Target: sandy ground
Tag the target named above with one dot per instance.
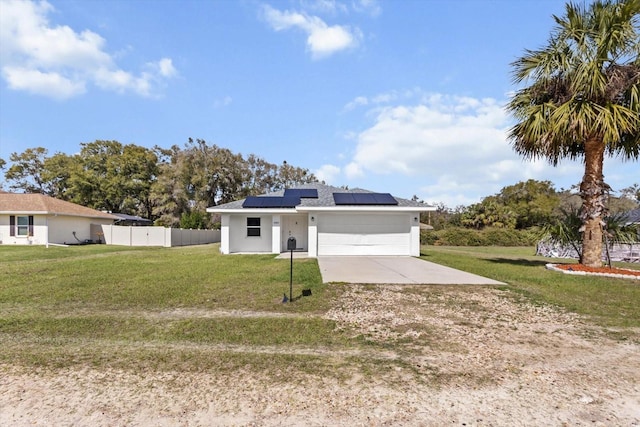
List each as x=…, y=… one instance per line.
x=465, y=357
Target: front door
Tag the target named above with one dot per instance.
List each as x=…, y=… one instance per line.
x=294, y=226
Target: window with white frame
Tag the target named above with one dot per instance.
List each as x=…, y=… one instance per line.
x=253, y=227
x=22, y=226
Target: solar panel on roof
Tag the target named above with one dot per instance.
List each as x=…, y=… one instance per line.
x=343, y=199
x=290, y=201
x=252, y=202
x=271, y=202
x=306, y=193
x=364, y=199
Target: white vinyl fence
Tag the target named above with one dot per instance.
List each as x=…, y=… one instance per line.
x=155, y=236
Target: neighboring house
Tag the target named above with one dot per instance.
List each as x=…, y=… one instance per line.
x=324, y=220
x=39, y=219
x=124, y=219
x=632, y=217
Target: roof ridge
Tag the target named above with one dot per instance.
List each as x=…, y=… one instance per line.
x=45, y=204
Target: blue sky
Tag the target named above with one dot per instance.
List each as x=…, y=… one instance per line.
x=394, y=96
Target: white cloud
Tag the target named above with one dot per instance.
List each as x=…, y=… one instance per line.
x=371, y=7
x=58, y=62
x=353, y=170
x=327, y=173
x=38, y=83
x=166, y=68
x=405, y=138
x=325, y=6
x=358, y=101
x=452, y=149
x=322, y=40
x=382, y=98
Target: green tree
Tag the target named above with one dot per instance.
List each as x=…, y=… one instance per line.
x=3, y=163
x=289, y=176
x=532, y=202
x=201, y=175
x=583, y=101
x=489, y=213
x=194, y=178
x=140, y=168
x=193, y=220
x=212, y=174
x=261, y=178
x=33, y=171
x=57, y=171
x=26, y=171
x=168, y=193
x=113, y=177
x=564, y=230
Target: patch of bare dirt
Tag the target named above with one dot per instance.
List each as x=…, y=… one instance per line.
x=466, y=356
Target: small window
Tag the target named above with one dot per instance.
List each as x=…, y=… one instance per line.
x=253, y=227
x=22, y=226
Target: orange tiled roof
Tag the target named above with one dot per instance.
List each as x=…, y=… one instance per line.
x=40, y=204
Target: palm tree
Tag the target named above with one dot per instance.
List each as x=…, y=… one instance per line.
x=583, y=101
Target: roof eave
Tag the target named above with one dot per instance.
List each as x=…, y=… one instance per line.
x=252, y=210
x=106, y=216
x=371, y=208
x=324, y=209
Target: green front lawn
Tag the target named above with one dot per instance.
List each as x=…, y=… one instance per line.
x=191, y=308
x=128, y=306
x=117, y=278
x=609, y=301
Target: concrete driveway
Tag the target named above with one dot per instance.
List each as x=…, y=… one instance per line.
x=394, y=270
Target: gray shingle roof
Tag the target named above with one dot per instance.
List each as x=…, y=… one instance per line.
x=325, y=197
x=632, y=217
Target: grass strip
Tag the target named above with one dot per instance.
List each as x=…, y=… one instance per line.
x=610, y=302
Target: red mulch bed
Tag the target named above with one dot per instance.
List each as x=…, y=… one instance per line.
x=601, y=270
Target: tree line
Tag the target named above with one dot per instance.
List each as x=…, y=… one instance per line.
x=173, y=187
x=526, y=205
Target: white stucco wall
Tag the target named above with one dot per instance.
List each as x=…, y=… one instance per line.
x=224, y=233
x=39, y=231
x=275, y=233
x=60, y=229
x=240, y=242
x=312, y=239
x=352, y=233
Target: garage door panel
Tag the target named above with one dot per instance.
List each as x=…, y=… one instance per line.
x=360, y=250
x=364, y=235
x=366, y=228
x=364, y=239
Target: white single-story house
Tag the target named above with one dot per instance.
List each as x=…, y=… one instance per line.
x=41, y=220
x=323, y=220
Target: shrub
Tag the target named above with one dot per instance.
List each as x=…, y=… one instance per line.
x=457, y=236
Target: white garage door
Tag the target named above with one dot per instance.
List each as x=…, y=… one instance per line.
x=358, y=234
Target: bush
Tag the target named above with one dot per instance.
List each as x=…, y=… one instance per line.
x=457, y=236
